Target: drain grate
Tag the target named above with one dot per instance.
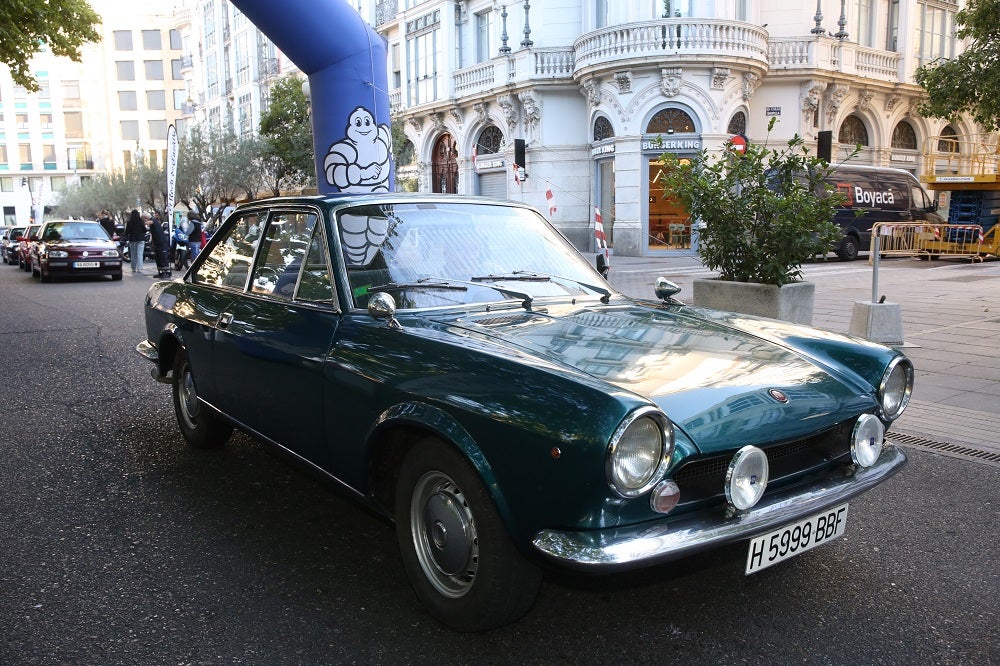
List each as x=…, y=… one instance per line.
x=953, y=450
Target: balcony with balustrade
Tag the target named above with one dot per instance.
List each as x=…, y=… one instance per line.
x=797, y=56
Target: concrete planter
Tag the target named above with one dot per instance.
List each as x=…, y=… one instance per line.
x=791, y=302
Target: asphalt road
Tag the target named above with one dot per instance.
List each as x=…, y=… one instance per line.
x=120, y=545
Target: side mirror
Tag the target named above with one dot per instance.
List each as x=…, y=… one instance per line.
x=382, y=306
x=666, y=290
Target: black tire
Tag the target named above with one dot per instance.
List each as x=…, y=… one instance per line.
x=457, y=554
x=43, y=275
x=116, y=276
x=201, y=428
x=848, y=250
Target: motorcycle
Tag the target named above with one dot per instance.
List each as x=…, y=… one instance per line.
x=148, y=251
x=181, y=253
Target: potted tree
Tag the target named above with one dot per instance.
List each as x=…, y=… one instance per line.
x=761, y=214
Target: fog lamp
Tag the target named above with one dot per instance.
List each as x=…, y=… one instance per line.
x=664, y=497
x=746, y=477
x=866, y=444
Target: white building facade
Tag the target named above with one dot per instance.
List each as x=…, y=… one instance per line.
x=597, y=90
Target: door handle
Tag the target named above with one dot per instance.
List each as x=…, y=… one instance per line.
x=225, y=319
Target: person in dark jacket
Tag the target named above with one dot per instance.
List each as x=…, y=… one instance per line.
x=160, y=244
x=135, y=234
x=107, y=223
x=195, y=237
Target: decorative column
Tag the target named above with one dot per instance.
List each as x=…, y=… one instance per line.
x=504, y=49
x=818, y=29
x=526, y=42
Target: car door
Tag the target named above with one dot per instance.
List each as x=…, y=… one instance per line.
x=272, y=341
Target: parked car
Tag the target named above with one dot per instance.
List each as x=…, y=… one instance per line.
x=74, y=248
x=877, y=194
x=456, y=365
x=24, y=246
x=8, y=244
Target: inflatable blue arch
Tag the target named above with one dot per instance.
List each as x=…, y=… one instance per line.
x=345, y=60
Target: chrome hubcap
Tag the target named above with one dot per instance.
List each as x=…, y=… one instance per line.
x=444, y=534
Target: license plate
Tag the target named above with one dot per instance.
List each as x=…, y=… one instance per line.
x=796, y=538
x=86, y=264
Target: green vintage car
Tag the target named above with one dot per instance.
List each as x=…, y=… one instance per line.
x=469, y=375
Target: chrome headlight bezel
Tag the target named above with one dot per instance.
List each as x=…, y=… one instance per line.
x=895, y=388
x=657, y=454
x=867, y=440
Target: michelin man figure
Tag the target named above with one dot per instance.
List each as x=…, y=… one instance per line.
x=360, y=161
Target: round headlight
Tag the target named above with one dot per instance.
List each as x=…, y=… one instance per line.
x=746, y=477
x=639, y=453
x=866, y=444
x=897, y=385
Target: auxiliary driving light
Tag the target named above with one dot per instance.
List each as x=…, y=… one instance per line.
x=866, y=444
x=746, y=477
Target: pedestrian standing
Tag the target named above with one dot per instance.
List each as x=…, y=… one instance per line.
x=195, y=236
x=158, y=236
x=135, y=234
x=107, y=223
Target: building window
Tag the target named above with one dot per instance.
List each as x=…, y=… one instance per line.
x=175, y=70
x=948, y=143
x=73, y=124
x=892, y=27
x=151, y=40
x=49, y=157
x=423, y=60
x=603, y=129
x=123, y=40
x=738, y=124
x=935, y=30
x=58, y=183
x=45, y=120
x=490, y=141
x=484, y=36
x=668, y=121
x=156, y=100
x=243, y=117
x=3, y=155
x=22, y=120
x=44, y=91
x=212, y=77
x=127, y=100
x=180, y=97
x=397, y=78
x=853, y=132
x=71, y=93
x=126, y=70
x=154, y=70
x=24, y=151
x=863, y=22
x=158, y=130
x=176, y=43
x=208, y=25
x=601, y=14
x=7, y=182
x=130, y=130
x=903, y=136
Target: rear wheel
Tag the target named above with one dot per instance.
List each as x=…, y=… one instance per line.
x=459, y=558
x=201, y=428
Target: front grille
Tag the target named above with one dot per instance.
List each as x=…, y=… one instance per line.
x=704, y=478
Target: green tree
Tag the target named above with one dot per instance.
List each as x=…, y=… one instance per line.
x=65, y=25
x=969, y=83
x=286, y=131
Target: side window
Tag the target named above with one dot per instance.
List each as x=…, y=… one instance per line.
x=282, y=251
x=228, y=265
x=919, y=197
x=895, y=193
x=315, y=284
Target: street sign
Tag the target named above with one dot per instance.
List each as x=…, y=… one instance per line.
x=739, y=143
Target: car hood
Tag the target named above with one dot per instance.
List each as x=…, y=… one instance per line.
x=80, y=244
x=719, y=377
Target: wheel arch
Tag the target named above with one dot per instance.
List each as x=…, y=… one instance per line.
x=399, y=428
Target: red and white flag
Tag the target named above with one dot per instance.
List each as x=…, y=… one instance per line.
x=551, y=201
x=602, y=240
x=980, y=231
x=475, y=154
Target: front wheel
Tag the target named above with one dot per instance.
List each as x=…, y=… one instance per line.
x=456, y=551
x=848, y=250
x=201, y=428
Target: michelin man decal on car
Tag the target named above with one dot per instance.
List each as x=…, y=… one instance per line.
x=360, y=161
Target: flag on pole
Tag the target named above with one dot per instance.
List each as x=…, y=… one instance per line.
x=171, y=170
x=475, y=154
x=551, y=200
x=602, y=240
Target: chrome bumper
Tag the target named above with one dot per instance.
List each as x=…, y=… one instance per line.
x=651, y=543
x=149, y=352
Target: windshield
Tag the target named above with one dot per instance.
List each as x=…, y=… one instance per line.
x=77, y=231
x=454, y=253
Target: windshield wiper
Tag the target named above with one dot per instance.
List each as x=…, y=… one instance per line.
x=461, y=285
x=531, y=276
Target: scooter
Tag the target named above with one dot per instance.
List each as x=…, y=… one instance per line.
x=181, y=251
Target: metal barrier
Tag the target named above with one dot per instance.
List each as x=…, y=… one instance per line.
x=930, y=241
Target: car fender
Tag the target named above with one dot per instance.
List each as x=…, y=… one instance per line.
x=444, y=425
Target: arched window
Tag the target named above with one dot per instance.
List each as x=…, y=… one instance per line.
x=853, y=131
x=948, y=143
x=903, y=136
x=668, y=121
x=738, y=123
x=603, y=129
x=490, y=140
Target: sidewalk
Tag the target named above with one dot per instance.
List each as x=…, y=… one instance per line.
x=951, y=331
